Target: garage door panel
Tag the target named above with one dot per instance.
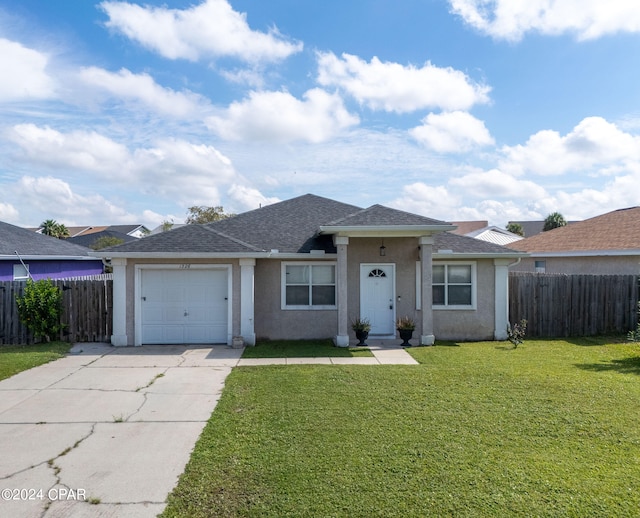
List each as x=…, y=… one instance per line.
x=184, y=306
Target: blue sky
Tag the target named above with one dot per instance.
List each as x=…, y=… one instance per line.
x=121, y=112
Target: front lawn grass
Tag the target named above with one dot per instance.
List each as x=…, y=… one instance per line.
x=302, y=349
x=17, y=358
x=551, y=428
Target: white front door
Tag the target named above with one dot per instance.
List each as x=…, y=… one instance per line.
x=377, y=297
x=184, y=306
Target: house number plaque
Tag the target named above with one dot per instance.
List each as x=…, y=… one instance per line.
x=184, y=266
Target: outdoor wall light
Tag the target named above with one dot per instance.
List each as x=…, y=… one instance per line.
x=383, y=249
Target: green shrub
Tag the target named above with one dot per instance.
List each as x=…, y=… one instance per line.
x=515, y=333
x=40, y=308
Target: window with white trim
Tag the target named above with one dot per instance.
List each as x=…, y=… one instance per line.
x=453, y=285
x=309, y=285
x=20, y=272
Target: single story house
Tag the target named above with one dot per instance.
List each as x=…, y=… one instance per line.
x=605, y=244
x=26, y=254
x=305, y=268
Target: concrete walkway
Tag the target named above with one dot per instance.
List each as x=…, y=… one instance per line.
x=382, y=355
x=107, y=431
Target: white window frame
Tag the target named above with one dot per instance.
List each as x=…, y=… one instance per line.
x=540, y=266
x=20, y=272
x=474, y=285
x=283, y=285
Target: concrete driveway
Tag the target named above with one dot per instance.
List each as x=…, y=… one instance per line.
x=105, y=431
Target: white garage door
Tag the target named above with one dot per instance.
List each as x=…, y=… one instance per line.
x=184, y=306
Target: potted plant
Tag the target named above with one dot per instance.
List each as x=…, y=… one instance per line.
x=405, y=327
x=361, y=326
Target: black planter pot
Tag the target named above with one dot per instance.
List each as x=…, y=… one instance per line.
x=405, y=335
x=362, y=336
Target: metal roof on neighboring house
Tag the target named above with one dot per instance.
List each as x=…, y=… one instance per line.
x=496, y=235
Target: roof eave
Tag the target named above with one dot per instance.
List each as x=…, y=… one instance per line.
x=587, y=253
x=6, y=257
x=179, y=255
x=384, y=230
x=481, y=255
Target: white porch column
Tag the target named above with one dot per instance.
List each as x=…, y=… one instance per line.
x=119, y=336
x=501, y=298
x=247, y=274
x=426, y=250
x=342, y=338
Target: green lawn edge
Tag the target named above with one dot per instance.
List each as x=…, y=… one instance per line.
x=18, y=358
x=551, y=428
x=303, y=349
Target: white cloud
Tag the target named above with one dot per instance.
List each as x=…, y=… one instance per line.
x=208, y=30
x=142, y=88
x=280, y=117
x=173, y=168
x=511, y=20
x=191, y=174
x=495, y=183
x=452, y=132
x=8, y=212
x=80, y=150
x=249, y=198
x=24, y=73
x=433, y=201
x=244, y=76
x=65, y=206
x=593, y=144
x=396, y=88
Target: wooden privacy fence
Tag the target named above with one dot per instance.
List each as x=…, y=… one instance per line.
x=573, y=305
x=87, y=311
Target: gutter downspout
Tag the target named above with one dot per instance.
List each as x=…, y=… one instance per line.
x=23, y=265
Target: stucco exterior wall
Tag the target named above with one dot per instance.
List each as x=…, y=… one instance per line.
x=274, y=323
x=131, y=282
x=403, y=252
x=603, y=265
x=478, y=324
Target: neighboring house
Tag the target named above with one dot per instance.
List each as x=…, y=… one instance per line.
x=533, y=228
x=88, y=240
x=606, y=244
x=305, y=268
x=136, y=231
x=483, y=231
x=25, y=254
x=465, y=227
x=496, y=235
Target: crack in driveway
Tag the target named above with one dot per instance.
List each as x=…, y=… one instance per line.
x=118, y=429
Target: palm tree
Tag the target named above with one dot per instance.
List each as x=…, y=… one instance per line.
x=554, y=220
x=515, y=228
x=51, y=227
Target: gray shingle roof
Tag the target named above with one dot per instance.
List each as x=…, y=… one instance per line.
x=89, y=239
x=29, y=243
x=467, y=245
x=186, y=239
x=381, y=215
x=291, y=226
